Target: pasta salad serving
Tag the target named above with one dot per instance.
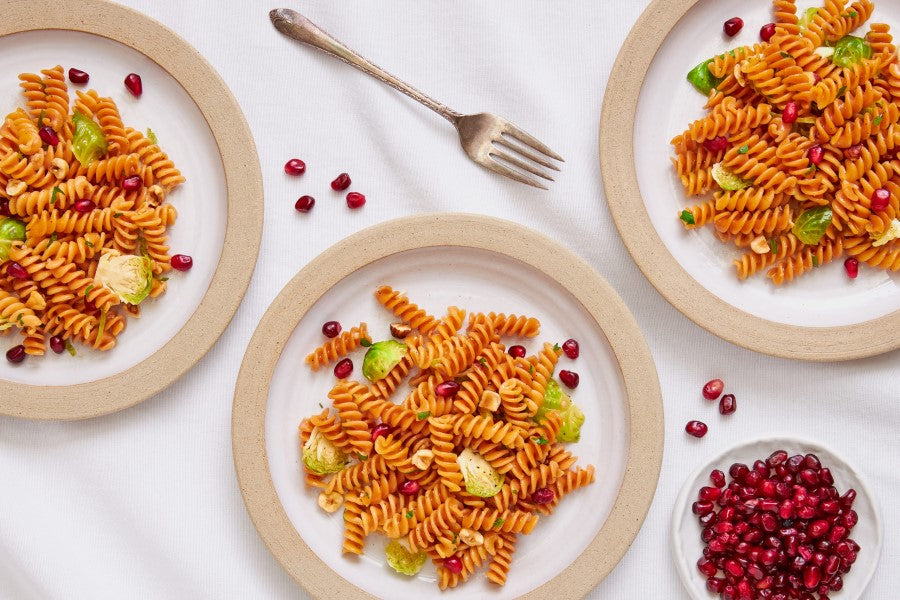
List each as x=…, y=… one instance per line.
x=467, y=460
x=799, y=147
x=85, y=214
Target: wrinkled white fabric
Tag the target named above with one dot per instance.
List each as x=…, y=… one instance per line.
x=144, y=503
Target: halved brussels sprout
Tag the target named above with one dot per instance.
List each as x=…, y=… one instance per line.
x=11, y=231
x=403, y=560
x=321, y=456
x=889, y=234
x=88, y=142
x=850, y=50
x=727, y=180
x=702, y=79
x=481, y=478
x=810, y=226
x=381, y=357
x=128, y=276
x=558, y=401
x=572, y=420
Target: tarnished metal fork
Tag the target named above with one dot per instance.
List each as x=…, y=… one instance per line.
x=489, y=140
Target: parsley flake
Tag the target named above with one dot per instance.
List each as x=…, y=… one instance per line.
x=88, y=244
x=773, y=244
x=423, y=415
x=163, y=278
x=878, y=120
x=116, y=215
x=688, y=217
x=556, y=347
x=786, y=55
x=362, y=457
x=483, y=361
x=54, y=194
x=70, y=348
x=88, y=290
x=540, y=441
x=852, y=14
x=19, y=319
x=841, y=90
x=41, y=118
x=815, y=261
x=320, y=405
x=409, y=515
x=365, y=343
x=744, y=149
x=53, y=238
x=497, y=523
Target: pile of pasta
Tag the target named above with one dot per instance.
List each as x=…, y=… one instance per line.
x=42, y=183
x=852, y=113
x=429, y=432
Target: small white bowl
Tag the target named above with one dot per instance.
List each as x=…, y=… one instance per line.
x=687, y=547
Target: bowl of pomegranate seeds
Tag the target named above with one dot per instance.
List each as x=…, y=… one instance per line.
x=775, y=519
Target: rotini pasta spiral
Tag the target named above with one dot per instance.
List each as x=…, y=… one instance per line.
x=338, y=347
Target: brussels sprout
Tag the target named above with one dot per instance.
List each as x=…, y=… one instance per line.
x=807, y=17
x=572, y=420
x=702, y=79
x=11, y=230
x=554, y=399
x=88, y=142
x=890, y=234
x=850, y=50
x=321, y=456
x=481, y=478
x=381, y=357
x=403, y=560
x=128, y=276
x=811, y=225
x=727, y=180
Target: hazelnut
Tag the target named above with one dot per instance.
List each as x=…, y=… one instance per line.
x=330, y=502
x=59, y=168
x=14, y=187
x=400, y=330
x=490, y=400
x=760, y=245
x=470, y=538
x=36, y=302
x=422, y=459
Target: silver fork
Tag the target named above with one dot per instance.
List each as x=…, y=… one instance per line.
x=481, y=135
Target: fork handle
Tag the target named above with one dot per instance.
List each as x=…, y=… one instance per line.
x=294, y=25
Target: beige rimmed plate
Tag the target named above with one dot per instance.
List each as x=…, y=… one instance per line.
x=199, y=124
x=478, y=263
x=821, y=316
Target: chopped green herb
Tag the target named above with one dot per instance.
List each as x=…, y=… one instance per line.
x=556, y=347
x=815, y=261
x=53, y=238
x=786, y=55
x=773, y=244
x=88, y=244
x=454, y=537
x=540, y=441
x=70, y=348
x=320, y=405
x=688, y=217
x=152, y=136
x=409, y=515
x=19, y=319
x=365, y=343
x=362, y=457
x=744, y=149
x=56, y=192
x=483, y=361
x=423, y=415
x=497, y=523
x=88, y=290
x=515, y=492
x=41, y=118
x=878, y=120
x=841, y=90
x=811, y=169
x=531, y=369
x=852, y=14
x=116, y=215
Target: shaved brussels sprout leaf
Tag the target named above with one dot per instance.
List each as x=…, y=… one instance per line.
x=572, y=420
x=807, y=17
x=890, y=234
x=11, y=230
x=727, y=180
x=558, y=401
x=381, y=357
x=403, y=560
x=481, y=478
x=850, y=50
x=702, y=79
x=554, y=399
x=152, y=137
x=321, y=456
x=128, y=276
x=88, y=142
x=811, y=225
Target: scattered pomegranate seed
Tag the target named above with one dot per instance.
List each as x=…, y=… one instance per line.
x=130, y=184
x=78, y=76
x=382, y=429
x=84, y=206
x=880, y=199
x=717, y=144
x=851, y=265
x=57, y=344
x=543, y=496
x=4, y=207
x=295, y=167
x=341, y=182
x=134, y=84
x=517, y=351
x=713, y=388
x=453, y=564
x=181, y=262
x=16, y=354
x=569, y=378
x=304, y=204
x=331, y=329
x=343, y=369
x=853, y=152
x=816, y=154
x=696, y=428
x=48, y=136
x=571, y=349
x=355, y=199
x=728, y=404
x=17, y=271
x=718, y=478
x=767, y=31
x=446, y=389
x=733, y=26
x=408, y=488
x=790, y=113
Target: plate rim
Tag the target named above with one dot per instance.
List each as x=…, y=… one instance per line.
x=684, y=498
x=635, y=362
x=244, y=223
x=653, y=258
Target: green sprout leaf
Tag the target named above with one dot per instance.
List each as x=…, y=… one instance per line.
x=423, y=415
x=362, y=457
x=409, y=514
x=365, y=343
x=70, y=348
x=88, y=143
x=811, y=225
x=878, y=120
x=56, y=192
x=773, y=244
x=688, y=217
x=88, y=290
x=702, y=79
x=152, y=137
x=744, y=149
x=497, y=523
x=540, y=441
x=815, y=261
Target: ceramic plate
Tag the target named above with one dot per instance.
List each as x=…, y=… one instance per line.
x=822, y=315
x=687, y=546
x=200, y=126
x=467, y=261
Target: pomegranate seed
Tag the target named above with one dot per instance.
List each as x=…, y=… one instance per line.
x=718, y=478
x=446, y=389
x=355, y=199
x=816, y=154
x=343, y=369
x=16, y=354
x=517, y=351
x=696, y=428
x=331, y=329
x=295, y=167
x=545, y=496
x=78, y=76
x=570, y=348
x=717, y=144
x=713, y=388
x=84, y=206
x=707, y=567
x=738, y=471
x=811, y=577
x=304, y=204
x=17, y=271
x=453, y=564
x=880, y=199
x=4, y=207
x=408, y=488
x=853, y=152
x=767, y=31
x=826, y=476
x=733, y=26
x=851, y=518
x=818, y=528
x=382, y=429
x=57, y=344
x=777, y=458
x=702, y=507
x=181, y=262
x=48, y=136
x=569, y=378
x=131, y=184
x=727, y=405
x=709, y=493
x=794, y=463
x=848, y=498
x=341, y=182
x=715, y=584
x=790, y=113
x=134, y=84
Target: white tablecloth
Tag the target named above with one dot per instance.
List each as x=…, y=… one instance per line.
x=144, y=503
